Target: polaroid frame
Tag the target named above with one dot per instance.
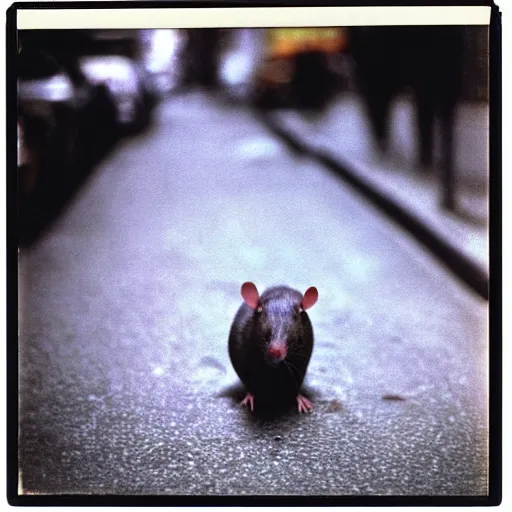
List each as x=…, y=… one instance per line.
x=236, y=14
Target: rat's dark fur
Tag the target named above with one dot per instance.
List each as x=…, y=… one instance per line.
x=281, y=318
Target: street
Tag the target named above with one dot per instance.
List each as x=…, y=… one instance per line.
x=126, y=304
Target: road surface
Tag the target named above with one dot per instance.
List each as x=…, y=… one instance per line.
x=126, y=303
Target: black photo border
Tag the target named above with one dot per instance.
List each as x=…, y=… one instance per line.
x=494, y=283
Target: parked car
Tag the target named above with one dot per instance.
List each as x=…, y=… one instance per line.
x=63, y=121
x=125, y=80
x=48, y=127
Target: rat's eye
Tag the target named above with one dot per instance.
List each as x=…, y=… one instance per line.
x=259, y=309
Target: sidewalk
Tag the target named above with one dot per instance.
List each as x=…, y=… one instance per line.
x=343, y=133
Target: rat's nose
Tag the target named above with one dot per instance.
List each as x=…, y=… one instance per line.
x=276, y=353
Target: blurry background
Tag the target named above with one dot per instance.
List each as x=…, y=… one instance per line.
x=407, y=107
x=151, y=187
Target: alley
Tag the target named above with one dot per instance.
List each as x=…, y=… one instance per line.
x=126, y=304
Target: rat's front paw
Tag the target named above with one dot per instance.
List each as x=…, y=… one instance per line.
x=303, y=404
x=249, y=399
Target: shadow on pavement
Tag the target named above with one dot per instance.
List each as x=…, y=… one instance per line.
x=278, y=414
x=49, y=201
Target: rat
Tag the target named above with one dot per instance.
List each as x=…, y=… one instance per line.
x=271, y=342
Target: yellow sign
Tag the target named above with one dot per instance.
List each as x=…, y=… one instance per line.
x=285, y=42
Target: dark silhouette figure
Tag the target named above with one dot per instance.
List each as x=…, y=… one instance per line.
x=202, y=57
x=428, y=60
x=313, y=83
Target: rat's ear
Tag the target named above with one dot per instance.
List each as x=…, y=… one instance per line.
x=250, y=294
x=310, y=298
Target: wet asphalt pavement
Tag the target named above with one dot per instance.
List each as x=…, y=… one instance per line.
x=126, y=304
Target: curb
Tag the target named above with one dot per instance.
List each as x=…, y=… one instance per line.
x=454, y=259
